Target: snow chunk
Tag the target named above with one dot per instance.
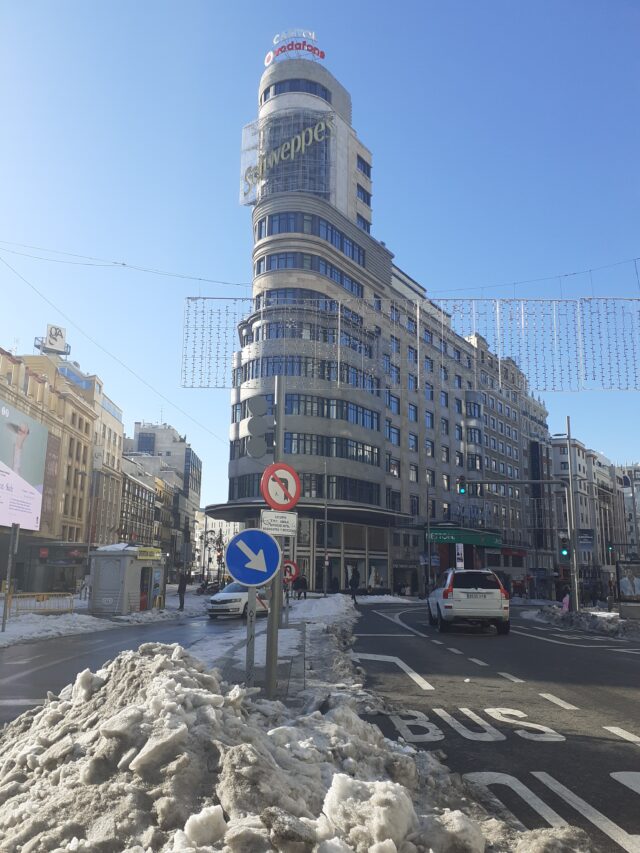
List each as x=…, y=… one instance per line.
x=369, y=812
x=85, y=685
x=206, y=827
x=158, y=751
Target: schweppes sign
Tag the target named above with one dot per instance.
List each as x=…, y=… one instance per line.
x=288, y=151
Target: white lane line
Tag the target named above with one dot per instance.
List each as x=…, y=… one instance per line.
x=398, y=621
x=630, y=843
x=625, y=735
x=455, y=651
x=511, y=678
x=419, y=680
x=551, y=698
x=573, y=645
x=438, y=642
x=382, y=635
x=479, y=662
x=8, y=703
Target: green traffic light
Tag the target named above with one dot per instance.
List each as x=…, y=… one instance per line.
x=565, y=552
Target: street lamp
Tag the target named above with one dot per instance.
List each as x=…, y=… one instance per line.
x=571, y=518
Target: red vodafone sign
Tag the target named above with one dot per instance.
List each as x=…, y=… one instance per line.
x=280, y=486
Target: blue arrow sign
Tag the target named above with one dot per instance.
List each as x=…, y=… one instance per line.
x=253, y=557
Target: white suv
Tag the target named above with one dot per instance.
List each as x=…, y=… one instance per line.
x=473, y=595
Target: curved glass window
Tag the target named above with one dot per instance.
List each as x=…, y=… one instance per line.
x=306, y=299
x=307, y=223
x=309, y=332
x=309, y=87
x=327, y=370
x=313, y=263
x=308, y=444
x=313, y=486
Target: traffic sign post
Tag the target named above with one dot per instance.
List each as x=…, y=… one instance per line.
x=280, y=486
x=253, y=558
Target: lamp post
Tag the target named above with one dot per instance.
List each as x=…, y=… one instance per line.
x=571, y=519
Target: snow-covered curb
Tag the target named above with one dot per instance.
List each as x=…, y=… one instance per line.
x=596, y=621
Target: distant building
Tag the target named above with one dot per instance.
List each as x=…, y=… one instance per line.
x=138, y=505
x=166, y=454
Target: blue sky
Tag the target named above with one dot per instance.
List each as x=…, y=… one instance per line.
x=504, y=139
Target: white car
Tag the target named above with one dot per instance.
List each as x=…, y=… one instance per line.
x=469, y=595
x=232, y=600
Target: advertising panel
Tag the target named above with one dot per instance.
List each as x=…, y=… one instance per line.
x=23, y=449
x=51, y=469
x=56, y=339
x=628, y=581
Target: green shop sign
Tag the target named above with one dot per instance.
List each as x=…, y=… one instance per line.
x=451, y=535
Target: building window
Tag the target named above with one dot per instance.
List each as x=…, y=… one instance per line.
x=430, y=477
x=413, y=413
x=474, y=435
x=392, y=402
x=444, y=454
x=428, y=419
x=429, y=447
x=392, y=433
x=428, y=391
x=363, y=223
x=459, y=459
x=364, y=196
x=444, y=399
x=444, y=426
x=393, y=500
x=414, y=505
x=363, y=166
x=413, y=442
x=412, y=382
x=393, y=466
x=412, y=355
x=395, y=344
x=413, y=473
x=446, y=482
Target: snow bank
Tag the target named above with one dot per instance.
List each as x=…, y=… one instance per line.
x=153, y=754
x=596, y=621
x=33, y=626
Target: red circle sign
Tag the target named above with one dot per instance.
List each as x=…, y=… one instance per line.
x=280, y=486
x=290, y=571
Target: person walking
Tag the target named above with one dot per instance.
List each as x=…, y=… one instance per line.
x=354, y=583
x=182, y=588
x=302, y=588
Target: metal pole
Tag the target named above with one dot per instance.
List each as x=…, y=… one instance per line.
x=13, y=550
x=325, y=570
x=275, y=609
x=251, y=637
x=635, y=511
x=575, y=600
x=428, y=536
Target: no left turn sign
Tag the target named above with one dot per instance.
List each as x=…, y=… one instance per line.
x=280, y=486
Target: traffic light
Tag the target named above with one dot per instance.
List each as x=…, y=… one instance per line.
x=258, y=425
x=461, y=484
x=564, y=549
x=609, y=547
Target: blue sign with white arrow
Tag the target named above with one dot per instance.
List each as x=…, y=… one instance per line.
x=253, y=557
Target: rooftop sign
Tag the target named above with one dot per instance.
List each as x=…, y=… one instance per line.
x=294, y=43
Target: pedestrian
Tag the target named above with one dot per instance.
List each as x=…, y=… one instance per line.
x=295, y=586
x=565, y=601
x=182, y=588
x=302, y=589
x=354, y=583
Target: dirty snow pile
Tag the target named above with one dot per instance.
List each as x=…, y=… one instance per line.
x=153, y=753
x=33, y=626
x=596, y=621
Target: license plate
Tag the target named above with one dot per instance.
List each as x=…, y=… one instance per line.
x=476, y=595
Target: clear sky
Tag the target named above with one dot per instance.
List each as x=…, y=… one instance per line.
x=505, y=139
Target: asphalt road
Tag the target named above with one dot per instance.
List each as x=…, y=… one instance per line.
x=29, y=670
x=546, y=720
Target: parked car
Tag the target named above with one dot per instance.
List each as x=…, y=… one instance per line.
x=469, y=595
x=232, y=600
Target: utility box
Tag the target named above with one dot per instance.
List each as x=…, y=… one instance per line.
x=126, y=579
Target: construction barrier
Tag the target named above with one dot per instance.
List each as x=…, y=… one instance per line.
x=40, y=602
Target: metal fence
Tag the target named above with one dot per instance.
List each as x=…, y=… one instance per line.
x=43, y=603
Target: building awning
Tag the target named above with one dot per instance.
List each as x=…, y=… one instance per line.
x=463, y=535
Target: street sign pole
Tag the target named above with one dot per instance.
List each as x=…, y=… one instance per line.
x=273, y=623
x=251, y=637
x=13, y=550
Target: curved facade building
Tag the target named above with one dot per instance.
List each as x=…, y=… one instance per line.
x=384, y=405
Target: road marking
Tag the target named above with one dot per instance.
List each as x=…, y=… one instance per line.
x=419, y=680
x=511, y=678
x=382, y=635
x=417, y=729
x=9, y=703
x=531, y=799
x=540, y=733
x=560, y=702
x=625, y=735
x=489, y=734
x=438, y=642
x=630, y=843
x=395, y=618
x=455, y=651
x=572, y=645
x=479, y=662
x=628, y=778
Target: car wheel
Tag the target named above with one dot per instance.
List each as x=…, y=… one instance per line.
x=503, y=627
x=211, y=616
x=244, y=611
x=443, y=627
x=432, y=619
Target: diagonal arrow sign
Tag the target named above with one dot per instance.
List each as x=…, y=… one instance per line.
x=256, y=561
